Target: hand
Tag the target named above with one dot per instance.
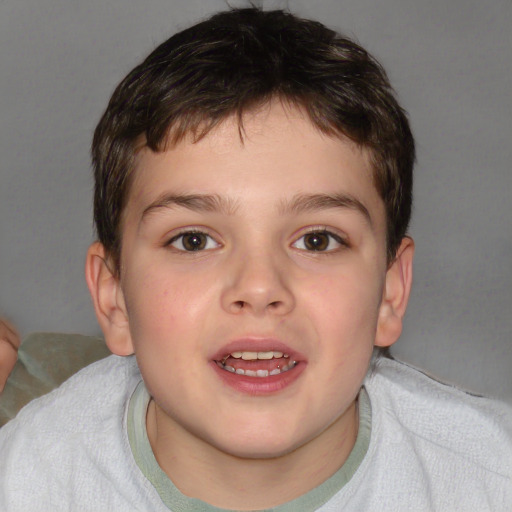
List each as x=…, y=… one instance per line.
x=9, y=344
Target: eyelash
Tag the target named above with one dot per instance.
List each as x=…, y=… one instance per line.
x=331, y=237
x=207, y=240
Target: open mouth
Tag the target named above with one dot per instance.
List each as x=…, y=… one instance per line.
x=256, y=364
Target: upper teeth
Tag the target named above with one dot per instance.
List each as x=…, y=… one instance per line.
x=259, y=372
x=250, y=356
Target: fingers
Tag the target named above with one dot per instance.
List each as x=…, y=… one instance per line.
x=9, y=333
x=9, y=343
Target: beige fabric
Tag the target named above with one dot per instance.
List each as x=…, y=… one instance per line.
x=45, y=361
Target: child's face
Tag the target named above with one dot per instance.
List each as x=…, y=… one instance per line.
x=219, y=261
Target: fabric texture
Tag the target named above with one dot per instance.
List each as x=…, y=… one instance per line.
x=432, y=448
x=46, y=360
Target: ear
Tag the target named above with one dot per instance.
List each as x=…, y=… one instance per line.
x=395, y=295
x=108, y=300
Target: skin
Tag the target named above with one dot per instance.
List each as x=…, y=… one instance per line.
x=9, y=344
x=256, y=282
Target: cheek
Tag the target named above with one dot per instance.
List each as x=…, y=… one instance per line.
x=349, y=315
x=153, y=304
x=158, y=319
x=164, y=305
x=348, y=303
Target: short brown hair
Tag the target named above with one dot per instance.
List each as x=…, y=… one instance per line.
x=236, y=61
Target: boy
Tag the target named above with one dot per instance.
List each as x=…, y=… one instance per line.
x=253, y=185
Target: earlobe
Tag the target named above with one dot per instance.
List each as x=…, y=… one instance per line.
x=108, y=301
x=396, y=295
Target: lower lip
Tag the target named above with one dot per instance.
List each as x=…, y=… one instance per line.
x=259, y=385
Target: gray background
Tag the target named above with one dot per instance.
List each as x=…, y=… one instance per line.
x=450, y=62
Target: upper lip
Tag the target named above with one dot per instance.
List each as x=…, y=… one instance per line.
x=256, y=344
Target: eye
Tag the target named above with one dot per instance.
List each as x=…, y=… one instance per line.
x=319, y=241
x=191, y=241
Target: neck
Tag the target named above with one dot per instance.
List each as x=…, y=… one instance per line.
x=227, y=481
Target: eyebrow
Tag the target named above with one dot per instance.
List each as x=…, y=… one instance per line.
x=313, y=202
x=298, y=204
x=194, y=202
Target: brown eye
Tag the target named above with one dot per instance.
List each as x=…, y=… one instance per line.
x=316, y=241
x=319, y=241
x=193, y=241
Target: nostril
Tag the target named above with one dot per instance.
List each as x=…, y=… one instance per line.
x=239, y=304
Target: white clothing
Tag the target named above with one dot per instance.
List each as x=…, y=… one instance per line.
x=432, y=448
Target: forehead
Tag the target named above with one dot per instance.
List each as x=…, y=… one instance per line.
x=273, y=156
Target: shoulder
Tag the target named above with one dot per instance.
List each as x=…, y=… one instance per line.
x=70, y=437
x=432, y=446
x=440, y=420
x=98, y=393
x=95, y=388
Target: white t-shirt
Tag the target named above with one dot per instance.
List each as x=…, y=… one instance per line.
x=431, y=448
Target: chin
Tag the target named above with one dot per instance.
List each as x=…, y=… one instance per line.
x=260, y=451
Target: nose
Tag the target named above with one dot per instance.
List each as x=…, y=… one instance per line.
x=257, y=283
